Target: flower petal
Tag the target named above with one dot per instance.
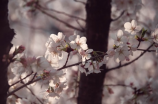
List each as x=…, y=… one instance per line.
x=127, y=25
x=134, y=23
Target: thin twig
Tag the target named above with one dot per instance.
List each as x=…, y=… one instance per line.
x=147, y=50
x=34, y=76
x=30, y=82
x=80, y=25
x=132, y=60
x=80, y=62
x=121, y=85
x=84, y=3
x=63, y=13
x=119, y=16
x=21, y=79
x=70, y=26
x=34, y=95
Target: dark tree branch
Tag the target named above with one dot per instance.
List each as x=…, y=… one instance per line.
x=57, y=19
x=147, y=50
x=30, y=82
x=21, y=79
x=34, y=95
x=119, y=16
x=117, y=67
x=116, y=85
x=63, y=13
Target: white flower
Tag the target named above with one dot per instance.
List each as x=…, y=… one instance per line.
x=58, y=39
x=111, y=52
x=22, y=101
x=105, y=60
x=79, y=43
x=120, y=38
x=50, y=93
x=122, y=53
x=22, y=64
x=93, y=67
x=58, y=87
x=132, y=27
x=85, y=54
x=40, y=64
x=82, y=69
x=155, y=35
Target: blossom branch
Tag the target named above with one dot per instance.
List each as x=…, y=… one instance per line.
x=147, y=50
x=21, y=79
x=30, y=82
x=132, y=60
x=34, y=95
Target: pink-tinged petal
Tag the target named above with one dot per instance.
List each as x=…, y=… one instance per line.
x=61, y=36
x=89, y=51
x=134, y=23
x=84, y=46
x=126, y=53
x=90, y=68
x=87, y=65
x=124, y=39
x=77, y=39
x=97, y=71
x=133, y=33
x=83, y=59
x=88, y=56
x=127, y=25
x=83, y=40
x=128, y=30
x=121, y=57
x=119, y=33
x=52, y=36
x=138, y=28
x=73, y=45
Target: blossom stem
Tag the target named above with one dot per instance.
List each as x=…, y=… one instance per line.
x=117, y=67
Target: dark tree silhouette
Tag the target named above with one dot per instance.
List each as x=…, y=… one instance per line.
x=6, y=36
x=97, y=30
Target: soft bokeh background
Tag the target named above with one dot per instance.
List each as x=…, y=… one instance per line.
x=33, y=29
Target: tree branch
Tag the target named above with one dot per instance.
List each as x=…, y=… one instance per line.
x=21, y=79
x=63, y=13
x=119, y=16
x=30, y=82
x=57, y=19
x=34, y=95
x=132, y=60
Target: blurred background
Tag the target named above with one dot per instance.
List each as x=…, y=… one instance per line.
x=32, y=28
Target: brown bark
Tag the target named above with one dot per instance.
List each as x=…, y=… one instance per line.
x=6, y=35
x=97, y=30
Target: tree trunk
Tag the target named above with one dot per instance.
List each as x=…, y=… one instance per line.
x=6, y=35
x=97, y=30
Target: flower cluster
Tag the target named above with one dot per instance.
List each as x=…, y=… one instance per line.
x=125, y=42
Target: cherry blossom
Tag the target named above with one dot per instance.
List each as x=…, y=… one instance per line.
x=79, y=43
x=132, y=27
x=120, y=38
x=85, y=54
x=155, y=35
x=122, y=53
